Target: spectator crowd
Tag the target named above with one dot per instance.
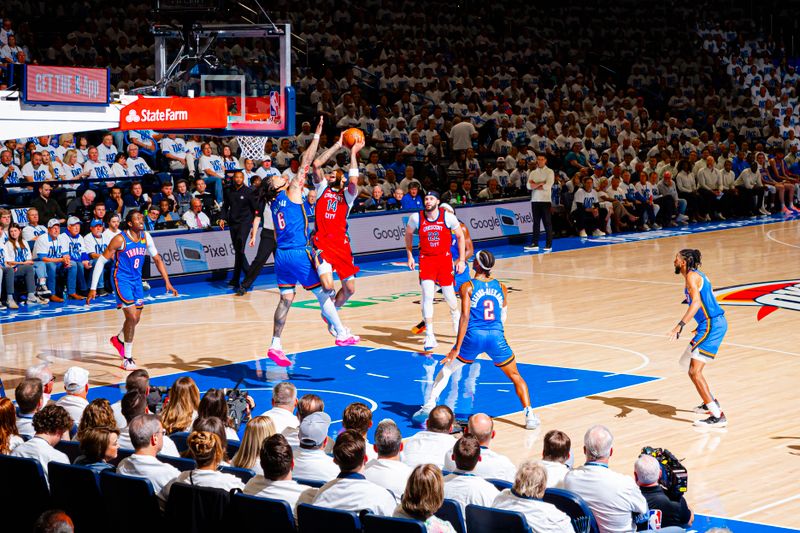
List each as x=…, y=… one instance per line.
x=287, y=453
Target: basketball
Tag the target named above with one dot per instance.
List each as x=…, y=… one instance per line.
x=352, y=136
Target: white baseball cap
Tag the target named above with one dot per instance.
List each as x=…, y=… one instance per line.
x=76, y=379
x=73, y=220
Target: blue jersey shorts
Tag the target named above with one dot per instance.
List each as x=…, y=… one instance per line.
x=709, y=336
x=129, y=293
x=491, y=342
x=293, y=266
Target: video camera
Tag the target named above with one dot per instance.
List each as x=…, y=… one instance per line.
x=238, y=406
x=674, y=477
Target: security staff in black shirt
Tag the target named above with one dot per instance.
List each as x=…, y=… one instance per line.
x=238, y=210
x=664, y=512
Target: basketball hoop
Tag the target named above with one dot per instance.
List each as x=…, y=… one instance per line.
x=252, y=147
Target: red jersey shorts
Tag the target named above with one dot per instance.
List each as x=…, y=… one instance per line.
x=337, y=253
x=438, y=268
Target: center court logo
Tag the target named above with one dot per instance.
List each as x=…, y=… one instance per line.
x=769, y=295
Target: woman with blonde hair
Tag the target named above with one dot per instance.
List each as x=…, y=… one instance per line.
x=9, y=435
x=207, y=450
x=55, y=173
x=423, y=496
x=181, y=409
x=97, y=414
x=255, y=433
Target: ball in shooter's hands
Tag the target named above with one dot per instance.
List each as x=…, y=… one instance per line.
x=352, y=136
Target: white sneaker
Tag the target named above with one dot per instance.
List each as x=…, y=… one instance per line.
x=582, y=233
x=645, y=227
x=763, y=211
x=656, y=226
x=35, y=300
x=530, y=248
x=145, y=286
x=421, y=416
x=681, y=218
x=598, y=233
x=128, y=364
x=430, y=342
x=455, y=316
x=11, y=303
x=531, y=420
x=547, y=250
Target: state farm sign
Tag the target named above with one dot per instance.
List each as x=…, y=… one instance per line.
x=172, y=113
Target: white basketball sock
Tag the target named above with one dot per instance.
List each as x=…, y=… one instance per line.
x=328, y=309
x=449, y=294
x=440, y=382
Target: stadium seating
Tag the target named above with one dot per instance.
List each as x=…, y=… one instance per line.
x=249, y=513
x=24, y=489
x=488, y=520
x=385, y=524
x=573, y=506
x=123, y=493
x=312, y=519
x=76, y=490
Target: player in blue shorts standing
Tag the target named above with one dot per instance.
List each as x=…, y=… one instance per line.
x=295, y=259
x=483, y=311
x=711, y=329
x=128, y=249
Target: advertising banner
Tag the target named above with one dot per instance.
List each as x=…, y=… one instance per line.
x=174, y=113
x=65, y=85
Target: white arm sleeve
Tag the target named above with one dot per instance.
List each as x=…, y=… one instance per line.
x=504, y=314
x=151, y=245
x=98, y=271
x=413, y=221
x=450, y=221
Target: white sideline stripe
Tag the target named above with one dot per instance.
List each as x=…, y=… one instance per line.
x=350, y=367
x=350, y=357
x=563, y=380
x=767, y=506
x=377, y=375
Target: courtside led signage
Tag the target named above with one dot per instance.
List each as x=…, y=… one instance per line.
x=65, y=85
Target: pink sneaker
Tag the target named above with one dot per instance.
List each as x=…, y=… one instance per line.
x=350, y=340
x=278, y=357
x=117, y=344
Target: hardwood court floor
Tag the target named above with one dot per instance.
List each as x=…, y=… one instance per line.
x=607, y=308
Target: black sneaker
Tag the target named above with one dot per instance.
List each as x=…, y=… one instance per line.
x=713, y=421
x=702, y=409
x=241, y=291
x=43, y=292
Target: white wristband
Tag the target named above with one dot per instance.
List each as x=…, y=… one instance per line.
x=316, y=136
x=353, y=173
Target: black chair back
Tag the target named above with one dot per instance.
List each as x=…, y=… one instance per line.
x=310, y=482
x=575, y=507
x=451, y=511
x=23, y=491
x=76, y=490
x=245, y=474
x=121, y=494
x=70, y=447
x=488, y=520
x=384, y=524
x=122, y=454
x=312, y=519
x=181, y=463
x=194, y=509
x=250, y=513
x=179, y=439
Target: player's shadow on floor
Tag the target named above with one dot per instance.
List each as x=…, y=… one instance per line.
x=396, y=337
x=627, y=405
x=795, y=447
x=403, y=411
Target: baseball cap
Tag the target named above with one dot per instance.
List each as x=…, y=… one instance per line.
x=76, y=379
x=501, y=160
x=53, y=222
x=73, y=220
x=96, y=222
x=267, y=158
x=314, y=429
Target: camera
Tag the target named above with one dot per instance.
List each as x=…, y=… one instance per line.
x=238, y=406
x=674, y=477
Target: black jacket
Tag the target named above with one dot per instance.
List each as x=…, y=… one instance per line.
x=239, y=207
x=672, y=513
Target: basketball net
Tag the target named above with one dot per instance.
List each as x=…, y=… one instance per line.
x=252, y=147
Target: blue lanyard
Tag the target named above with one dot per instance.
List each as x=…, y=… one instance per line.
x=592, y=463
x=351, y=475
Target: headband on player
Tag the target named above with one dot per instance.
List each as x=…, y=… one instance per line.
x=435, y=194
x=480, y=262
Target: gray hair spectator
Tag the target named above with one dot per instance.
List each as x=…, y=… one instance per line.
x=277, y=461
x=462, y=485
x=311, y=462
x=147, y=438
x=284, y=401
x=526, y=496
x=492, y=464
x=76, y=385
x=43, y=373
x=387, y=470
x=51, y=424
x=54, y=521
x=351, y=491
x=28, y=395
x=647, y=472
x=613, y=498
x=194, y=217
x=431, y=445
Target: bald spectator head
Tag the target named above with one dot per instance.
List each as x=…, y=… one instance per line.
x=29, y=395
x=481, y=426
x=598, y=444
x=440, y=419
x=196, y=205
